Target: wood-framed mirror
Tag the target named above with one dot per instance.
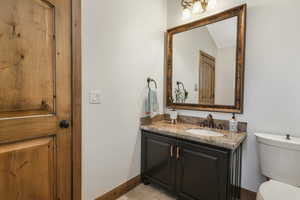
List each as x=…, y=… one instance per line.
x=206, y=63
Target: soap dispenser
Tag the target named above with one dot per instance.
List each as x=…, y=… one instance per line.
x=233, y=124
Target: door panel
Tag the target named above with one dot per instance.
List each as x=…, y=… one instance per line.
x=158, y=160
x=27, y=55
x=202, y=173
x=35, y=95
x=27, y=169
x=207, y=79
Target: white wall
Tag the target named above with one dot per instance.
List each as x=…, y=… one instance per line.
x=186, y=56
x=123, y=44
x=272, y=97
x=225, y=76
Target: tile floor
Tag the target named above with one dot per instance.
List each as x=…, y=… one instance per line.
x=143, y=192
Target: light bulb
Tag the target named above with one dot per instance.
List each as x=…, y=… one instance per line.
x=197, y=7
x=212, y=4
x=186, y=14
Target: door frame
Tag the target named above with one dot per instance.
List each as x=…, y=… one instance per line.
x=76, y=100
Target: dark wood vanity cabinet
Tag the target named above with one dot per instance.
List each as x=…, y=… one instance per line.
x=191, y=171
x=201, y=172
x=158, y=164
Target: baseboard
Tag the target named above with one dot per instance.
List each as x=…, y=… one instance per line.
x=121, y=189
x=247, y=194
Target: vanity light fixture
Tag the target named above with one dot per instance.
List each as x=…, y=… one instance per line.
x=196, y=6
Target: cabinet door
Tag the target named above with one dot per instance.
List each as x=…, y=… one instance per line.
x=158, y=160
x=201, y=172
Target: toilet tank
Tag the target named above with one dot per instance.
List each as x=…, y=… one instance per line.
x=279, y=158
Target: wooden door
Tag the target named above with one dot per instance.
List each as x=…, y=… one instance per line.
x=158, y=160
x=206, y=79
x=35, y=96
x=201, y=172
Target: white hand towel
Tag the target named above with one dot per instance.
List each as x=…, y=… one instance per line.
x=151, y=105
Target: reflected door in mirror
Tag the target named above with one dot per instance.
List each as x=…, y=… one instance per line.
x=207, y=78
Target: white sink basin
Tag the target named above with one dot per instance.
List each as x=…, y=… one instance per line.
x=202, y=132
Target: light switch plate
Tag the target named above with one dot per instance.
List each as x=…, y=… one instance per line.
x=95, y=97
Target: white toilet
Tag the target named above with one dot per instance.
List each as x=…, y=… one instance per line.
x=280, y=162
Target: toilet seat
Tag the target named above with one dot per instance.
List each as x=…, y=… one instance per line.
x=274, y=190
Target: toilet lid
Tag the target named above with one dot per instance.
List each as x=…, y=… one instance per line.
x=274, y=190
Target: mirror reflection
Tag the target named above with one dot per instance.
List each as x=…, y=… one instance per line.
x=204, y=64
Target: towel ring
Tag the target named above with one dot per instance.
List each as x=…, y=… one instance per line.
x=149, y=80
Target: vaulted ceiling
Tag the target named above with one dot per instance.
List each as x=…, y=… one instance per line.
x=224, y=32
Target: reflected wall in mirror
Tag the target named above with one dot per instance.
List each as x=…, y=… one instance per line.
x=206, y=63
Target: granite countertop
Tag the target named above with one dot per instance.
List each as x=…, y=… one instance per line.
x=228, y=141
